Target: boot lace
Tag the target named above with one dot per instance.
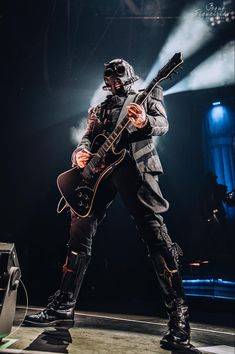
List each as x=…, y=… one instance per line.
x=55, y=299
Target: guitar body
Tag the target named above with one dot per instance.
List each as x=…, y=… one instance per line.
x=79, y=187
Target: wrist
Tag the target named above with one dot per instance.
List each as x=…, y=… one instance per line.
x=143, y=123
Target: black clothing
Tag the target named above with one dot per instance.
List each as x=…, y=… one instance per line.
x=136, y=179
x=141, y=195
x=113, y=108
x=137, y=182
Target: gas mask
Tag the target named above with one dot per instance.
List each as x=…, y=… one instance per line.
x=118, y=76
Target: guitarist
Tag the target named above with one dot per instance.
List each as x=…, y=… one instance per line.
x=136, y=179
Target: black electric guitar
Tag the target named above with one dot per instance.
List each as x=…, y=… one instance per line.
x=79, y=186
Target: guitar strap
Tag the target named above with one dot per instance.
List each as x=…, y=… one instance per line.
x=130, y=98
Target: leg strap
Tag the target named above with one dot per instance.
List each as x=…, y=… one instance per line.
x=74, y=270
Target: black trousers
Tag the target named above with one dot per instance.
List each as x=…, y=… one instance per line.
x=141, y=195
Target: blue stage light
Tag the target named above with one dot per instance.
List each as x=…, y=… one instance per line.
x=206, y=281
x=218, y=112
x=220, y=120
x=213, y=288
x=220, y=130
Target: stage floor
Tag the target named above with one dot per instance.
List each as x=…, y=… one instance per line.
x=102, y=333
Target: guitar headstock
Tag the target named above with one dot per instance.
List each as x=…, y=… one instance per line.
x=170, y=67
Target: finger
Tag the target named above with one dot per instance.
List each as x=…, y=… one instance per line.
x=133, y=109
x=82, y=154
x=81, y=163
x=87, y=151
x=133, y=113
x=137, y=110
x=83, y=157
x=136, y=107
x=137, y=117
x=135, y=123
x=139, y=120
x=82, y=160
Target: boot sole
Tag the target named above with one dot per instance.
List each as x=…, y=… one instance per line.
x=49, y=324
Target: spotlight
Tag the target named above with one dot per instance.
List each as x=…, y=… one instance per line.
x=219, y=119
x=191, y=32
x=217, y=113
x=216, y=71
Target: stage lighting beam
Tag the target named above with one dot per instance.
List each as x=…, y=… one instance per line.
x=217, y=70
x=190, y=34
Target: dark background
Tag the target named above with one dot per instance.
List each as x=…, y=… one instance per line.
x=52, y=55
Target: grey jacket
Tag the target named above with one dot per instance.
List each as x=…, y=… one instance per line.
x=142, y=146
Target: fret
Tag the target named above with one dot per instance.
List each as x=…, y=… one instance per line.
x=111, y=141
x=114, y=134
x=124, y=121
x=106, y=146
x=90, y=164
x=102, y=151
x=118, y=129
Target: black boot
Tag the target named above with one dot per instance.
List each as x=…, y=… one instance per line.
x=60, y=310
x=178, y=334
x=165, y=259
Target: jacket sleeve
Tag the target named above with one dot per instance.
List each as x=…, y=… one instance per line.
x=157, y=123
x=92, y=129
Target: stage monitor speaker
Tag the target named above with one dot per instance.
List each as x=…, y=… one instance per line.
x=9, y=280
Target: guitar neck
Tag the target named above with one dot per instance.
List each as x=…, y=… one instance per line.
x=124, y=123
x=163, y=74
